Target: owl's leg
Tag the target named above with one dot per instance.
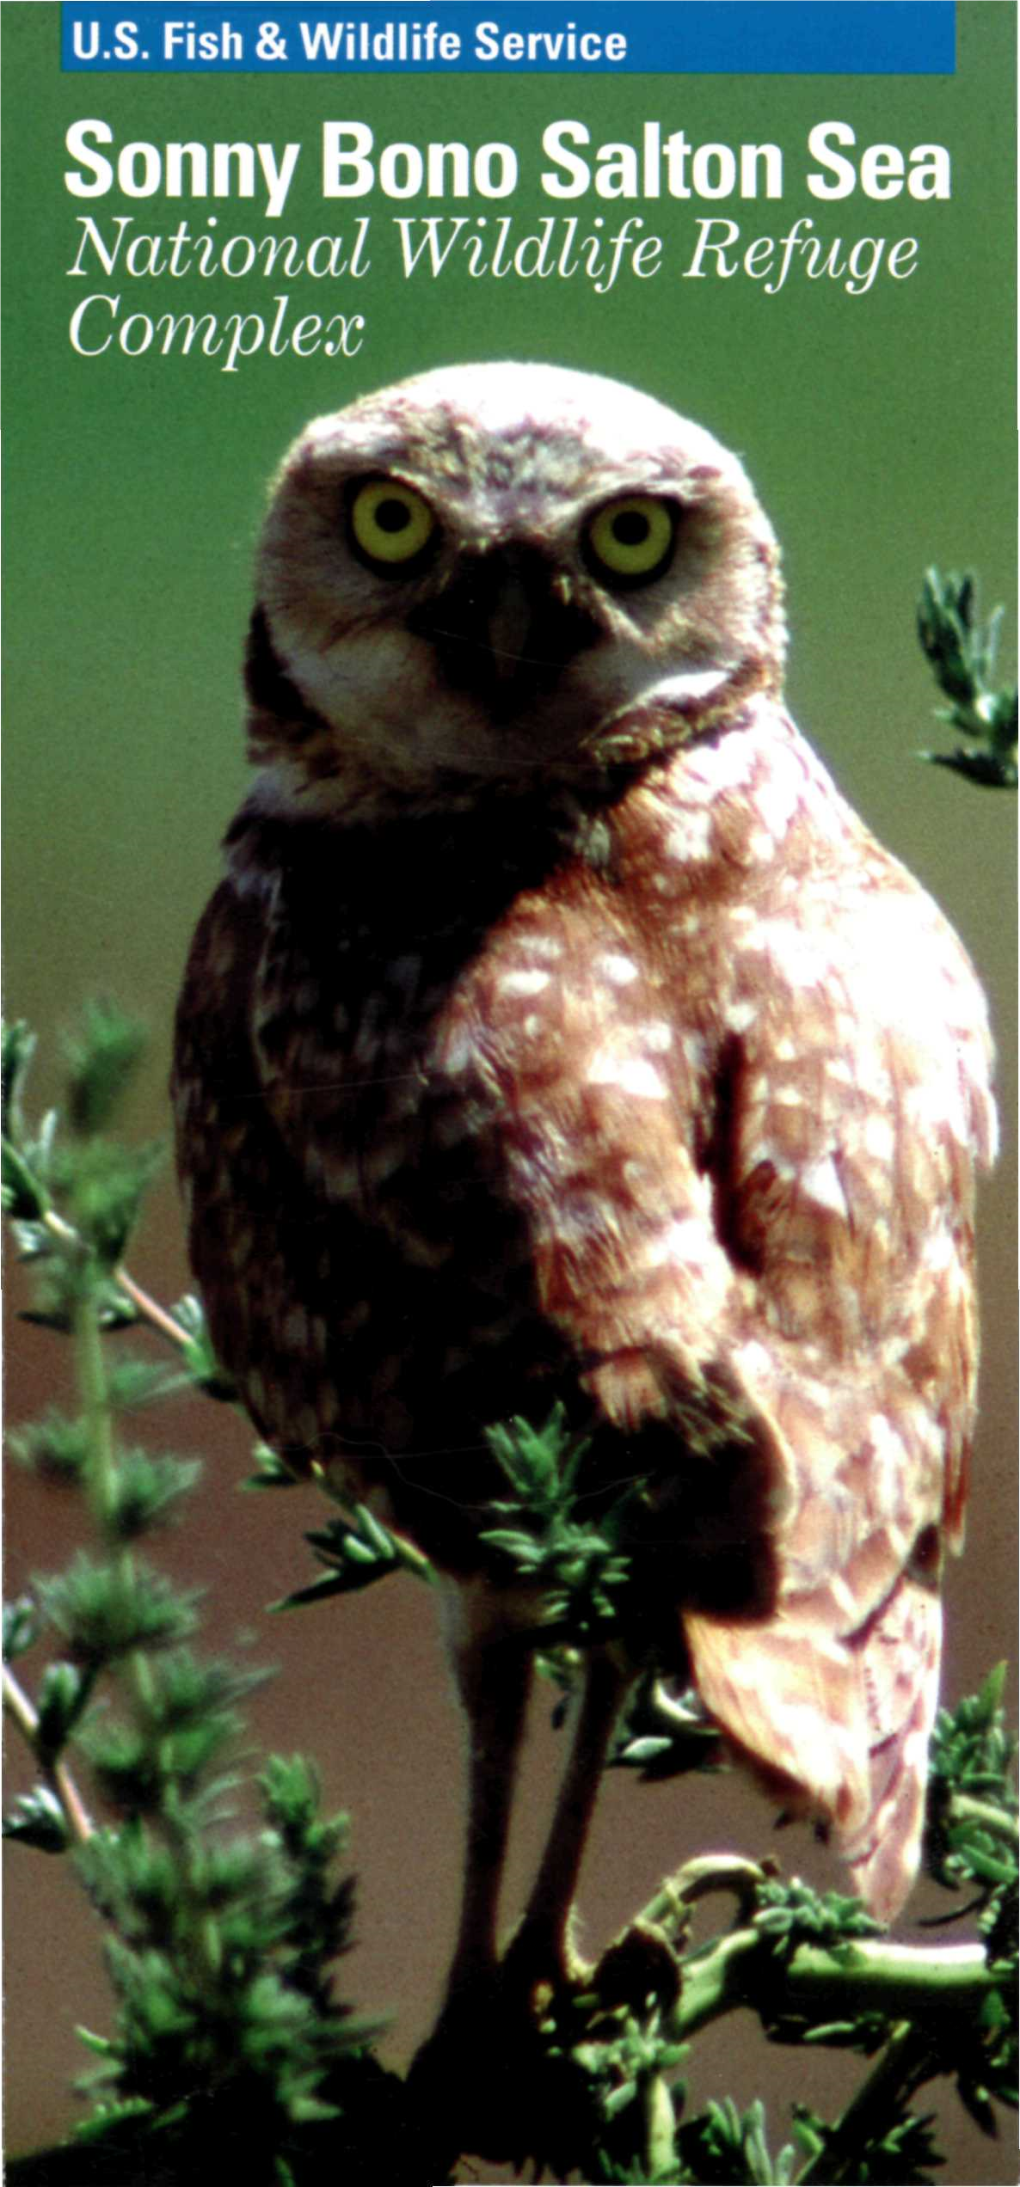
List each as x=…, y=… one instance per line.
x=493, y=1668
x=466, y=2075
x=540, y=1948
x=485, y=2064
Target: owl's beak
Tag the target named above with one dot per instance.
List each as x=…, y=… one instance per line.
x=501, y=628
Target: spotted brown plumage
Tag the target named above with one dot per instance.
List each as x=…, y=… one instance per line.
x=558, y=1032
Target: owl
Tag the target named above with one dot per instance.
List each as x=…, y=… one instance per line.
x=559, y=1035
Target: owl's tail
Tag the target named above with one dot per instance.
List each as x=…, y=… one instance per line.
x=836, y=1725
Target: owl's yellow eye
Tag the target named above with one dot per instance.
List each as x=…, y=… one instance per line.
x=631, y=540
x=390, y=522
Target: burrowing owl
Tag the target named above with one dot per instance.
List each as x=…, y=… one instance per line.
x=558, y=1033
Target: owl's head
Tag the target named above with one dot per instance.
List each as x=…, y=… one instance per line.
x=498, y=571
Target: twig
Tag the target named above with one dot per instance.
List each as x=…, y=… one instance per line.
x=57, y=1775
x=697, y=1878
x=149, y=1308
x=904, y=2064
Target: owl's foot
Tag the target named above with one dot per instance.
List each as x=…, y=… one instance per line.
x=521, y=2060
x=495, y=2078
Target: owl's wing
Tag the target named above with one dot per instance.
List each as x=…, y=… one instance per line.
x=761, y=1244
x=593, y=1100
x=858, y=1100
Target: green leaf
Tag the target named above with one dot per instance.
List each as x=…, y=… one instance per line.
x=104, y=1611
x=357, y=1552
x=970, y=1833
x=32, y=1240
x=198, y=1355
x=722, y=2145
x=577, y=1564
x=63, y=1696
x=111, y=2117
x=37, y=1819
x=134, y=1383
x=102, y=1057
x=17, y=1047
x=186, y=1689
x=346, y=1582
x=988, y=770
x=22, y=1191
x=962, y=655
x=25, y=1164
x=271, y=1471
x=21, y=1627
x=147, y=1491
x=57, y=1448
x=666, y=1735
x=99, y=2044
x=103, y=1184
x=792, y=1913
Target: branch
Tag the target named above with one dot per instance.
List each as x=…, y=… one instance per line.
x=866, y=1975
x=904, y=2064
x=872, y=1975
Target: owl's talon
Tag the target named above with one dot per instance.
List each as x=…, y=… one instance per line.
x=486, y=2076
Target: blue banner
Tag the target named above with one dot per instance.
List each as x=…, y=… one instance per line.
x=523, y=37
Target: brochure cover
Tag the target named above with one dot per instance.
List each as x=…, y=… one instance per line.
x=577, y=1111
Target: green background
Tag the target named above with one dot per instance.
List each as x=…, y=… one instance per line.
x=879, y=431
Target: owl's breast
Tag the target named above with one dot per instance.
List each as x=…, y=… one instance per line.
x=367, y=1279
